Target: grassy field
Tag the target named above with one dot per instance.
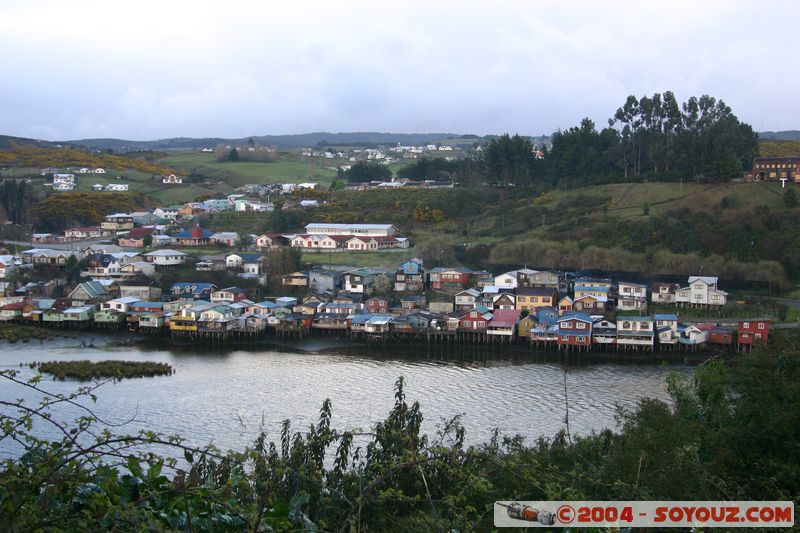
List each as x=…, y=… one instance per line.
x=288, y=168
x=388, y=260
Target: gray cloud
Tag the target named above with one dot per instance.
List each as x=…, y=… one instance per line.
x=149, y=69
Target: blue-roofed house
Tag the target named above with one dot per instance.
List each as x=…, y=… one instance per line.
x=194, y=236
x=410, y=276
x=191, y=289
x=575, y=330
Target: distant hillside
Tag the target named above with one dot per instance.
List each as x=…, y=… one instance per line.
x=281, y=141
x=789, y=135
x=7, y=142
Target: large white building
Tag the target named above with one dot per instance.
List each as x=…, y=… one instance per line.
x=372, y=230
x=702, y=290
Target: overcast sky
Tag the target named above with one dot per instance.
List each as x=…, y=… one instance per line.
x=154, y=69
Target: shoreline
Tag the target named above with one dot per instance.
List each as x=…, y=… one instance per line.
x=328, y=345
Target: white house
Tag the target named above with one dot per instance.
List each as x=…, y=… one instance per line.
x=172, y=179
x=631, y=296
x=166, y=257
x=702, y=291
x=170, y=213
x=506, y=281
x=119, y=304
x=99, y=171
x=7, y=266
x=226, y=238
x=635, y=331
x=63, y=187
x=63, y=178
x=117, y=187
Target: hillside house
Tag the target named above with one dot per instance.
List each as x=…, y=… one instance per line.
x=631, y=296
x=117, y=222
x=76, y=234
x=503, y=301
x=535, y=278
x=295, y=280
x=449, y=279
x=224, y=238
x=137, y=269
x=590, y=288
x=565, y=305
x=141, y=292
x=135, y=238
x=324, y=281
x=165, y=258
x=701, y=292
x=441, y=306
x=507, y=281
x=466, y=300
x=172, y=179
x=663, y=293
x=376, y=305
x=194, y=236
x=360, y=280
x=409, y=276
x=7, y=266
x=591, y=304
x=171, y=212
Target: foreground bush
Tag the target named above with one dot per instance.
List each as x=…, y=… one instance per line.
x=733, y=432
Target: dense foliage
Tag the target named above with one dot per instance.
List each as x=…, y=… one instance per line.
x=701, y=138
x=89, y=370
x=731, y=433
x=16, y=198
x=363, y=171
x=60, y=211
x=33, y=156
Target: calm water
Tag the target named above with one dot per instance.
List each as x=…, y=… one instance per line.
x=226, y=398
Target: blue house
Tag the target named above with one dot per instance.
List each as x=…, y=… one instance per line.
x=190, y=289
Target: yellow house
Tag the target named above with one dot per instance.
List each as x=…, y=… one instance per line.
x=565, y=305
x=525, y=325
x=533, y=298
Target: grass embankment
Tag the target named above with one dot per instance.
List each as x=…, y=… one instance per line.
x=88, y=370
x=15, y=332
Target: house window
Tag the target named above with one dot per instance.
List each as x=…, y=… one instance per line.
x=746, y=325
x=580, y=325
x=565, y=338
x=760, y=325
